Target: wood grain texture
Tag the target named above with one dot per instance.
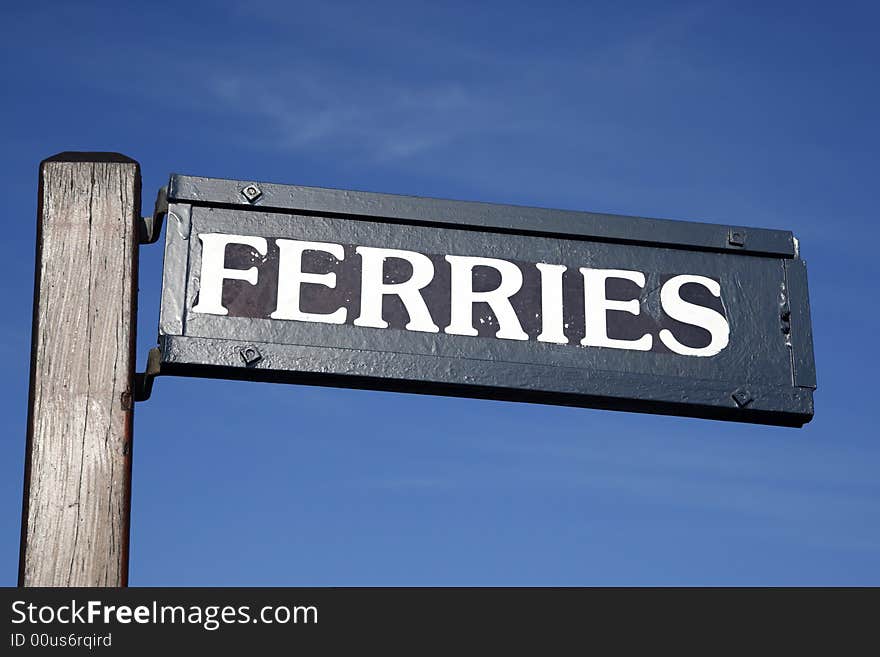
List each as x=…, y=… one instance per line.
x=75, y=522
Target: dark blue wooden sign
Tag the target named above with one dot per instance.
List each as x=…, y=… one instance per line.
x=284, y=283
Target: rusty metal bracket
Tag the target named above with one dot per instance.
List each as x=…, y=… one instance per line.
x=151, y=227
x=143, y=382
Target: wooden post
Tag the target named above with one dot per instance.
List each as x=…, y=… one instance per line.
x=77, y=488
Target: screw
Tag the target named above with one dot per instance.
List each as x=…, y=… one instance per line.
x=252, y=193
x=742, y=397
x=250, y=355
x=736, y=237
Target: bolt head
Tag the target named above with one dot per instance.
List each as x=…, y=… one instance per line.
x=251, y=193
x=736, y=237
x=742, y=397
x=250, y=355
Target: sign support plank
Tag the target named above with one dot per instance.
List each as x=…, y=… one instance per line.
x=77, y=489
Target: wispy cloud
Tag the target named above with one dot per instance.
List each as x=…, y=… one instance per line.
x=386, y=111
x=319, y=107
x=812, y=493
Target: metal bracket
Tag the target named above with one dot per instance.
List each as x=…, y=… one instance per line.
x=151, y=227
x=143, y=382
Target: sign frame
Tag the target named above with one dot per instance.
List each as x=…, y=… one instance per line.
x=238, y=356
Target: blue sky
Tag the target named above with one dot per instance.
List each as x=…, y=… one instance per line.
x=759, y=114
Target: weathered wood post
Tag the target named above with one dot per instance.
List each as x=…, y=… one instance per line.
x=77, y=492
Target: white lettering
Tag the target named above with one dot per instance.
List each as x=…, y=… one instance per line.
x=291, y=277
x=552, y=329
x=214, y=271
x=689, y=313
x=374, y=288
x=596, y=305
x=16, y=607
x=463, y=297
